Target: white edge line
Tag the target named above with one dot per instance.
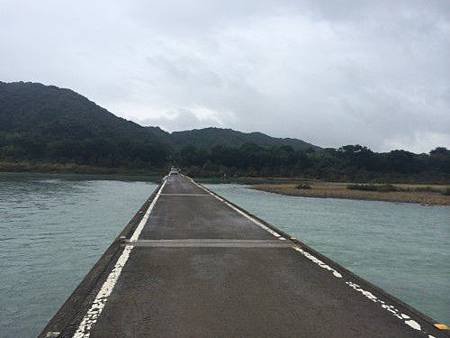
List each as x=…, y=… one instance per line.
x=407, y=320
x=316, y=260
x=261, y=225
x=92, y=315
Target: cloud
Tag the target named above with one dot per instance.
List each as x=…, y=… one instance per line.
x=332, y=73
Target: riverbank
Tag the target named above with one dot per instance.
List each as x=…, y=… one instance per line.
x=407, y=193
x=72, y=168
x=427, y=194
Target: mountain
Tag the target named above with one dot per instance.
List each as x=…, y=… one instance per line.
x=207, y=138
x=48, y=123
x=39, y=122
x=55, y=112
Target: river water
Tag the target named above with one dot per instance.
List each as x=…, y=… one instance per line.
x=53, y=228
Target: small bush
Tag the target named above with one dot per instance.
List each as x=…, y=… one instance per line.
x=303, y=186
x=446, y=191
x=387, y=188
x=422, y=189
x=373, y=187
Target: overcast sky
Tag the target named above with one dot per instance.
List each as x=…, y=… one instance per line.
x=329, y=72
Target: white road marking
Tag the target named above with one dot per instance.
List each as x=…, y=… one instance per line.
x=92, y=315
x=188, y=195
x=415, y=325
x=318, y=261
x=210, y=243
x=258, y=223
x=390, y=308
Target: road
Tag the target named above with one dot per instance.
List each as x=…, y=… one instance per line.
x=194, y=265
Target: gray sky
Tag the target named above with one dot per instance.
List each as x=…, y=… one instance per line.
x=329, y=72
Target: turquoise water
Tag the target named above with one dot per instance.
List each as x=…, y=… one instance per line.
x=53, y=228
x=402, y=248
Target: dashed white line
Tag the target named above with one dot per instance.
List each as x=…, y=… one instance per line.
x=390, y=308
x=316, y=260
x=92, y=315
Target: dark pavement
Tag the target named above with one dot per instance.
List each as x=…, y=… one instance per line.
x=202, y=269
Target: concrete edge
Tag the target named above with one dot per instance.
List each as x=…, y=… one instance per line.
x=66, y=320
x=366, y=284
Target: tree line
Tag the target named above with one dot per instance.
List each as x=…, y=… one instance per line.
x=348, y=163
x=92, y=151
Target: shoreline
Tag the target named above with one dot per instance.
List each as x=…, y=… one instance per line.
x=339, y=190
x=420, y=193
x=72, y=168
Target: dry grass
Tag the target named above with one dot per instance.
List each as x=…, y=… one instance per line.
x=410, y=193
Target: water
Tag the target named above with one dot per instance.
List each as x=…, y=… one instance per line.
x=402, y=248
x=52, y=230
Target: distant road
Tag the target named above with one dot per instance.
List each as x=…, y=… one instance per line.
x=192, y=264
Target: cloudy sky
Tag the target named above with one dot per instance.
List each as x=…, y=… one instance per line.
x=329, y=72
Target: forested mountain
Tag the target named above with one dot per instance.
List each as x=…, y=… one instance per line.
x=208, y=138
x=46, y=124
x=39, y=122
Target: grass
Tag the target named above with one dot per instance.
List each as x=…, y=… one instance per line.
x=243, y=180
x=373, y=187
x=392, y=188
x=72, y=168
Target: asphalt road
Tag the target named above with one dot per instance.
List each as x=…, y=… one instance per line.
x=203, y=268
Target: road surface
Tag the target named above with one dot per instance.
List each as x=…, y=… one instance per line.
x=191, y=264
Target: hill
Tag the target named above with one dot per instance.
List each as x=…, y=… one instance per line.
x=208, y=138
x=48, y=123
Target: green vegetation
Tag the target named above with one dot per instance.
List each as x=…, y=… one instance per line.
x=49, y=124
x=49, y=127
x=347, y=164
x=209, y=138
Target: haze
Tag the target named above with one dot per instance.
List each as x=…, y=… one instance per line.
x=328, y=72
